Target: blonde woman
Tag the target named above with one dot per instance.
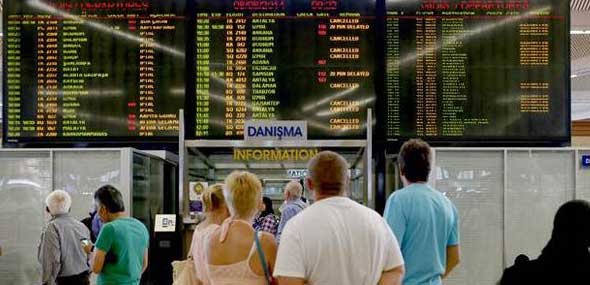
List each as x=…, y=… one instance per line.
x=238, y=255
x=216, y=212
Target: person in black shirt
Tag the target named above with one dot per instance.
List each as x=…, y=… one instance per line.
x=88, y=223
x=565, y=259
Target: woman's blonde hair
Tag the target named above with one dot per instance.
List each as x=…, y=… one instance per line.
x=213, y=198
x=243, y=193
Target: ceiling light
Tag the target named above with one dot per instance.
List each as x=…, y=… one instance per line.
x=574, y=75
x=580, y=32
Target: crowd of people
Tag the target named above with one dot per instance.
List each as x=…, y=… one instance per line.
x=335, y=240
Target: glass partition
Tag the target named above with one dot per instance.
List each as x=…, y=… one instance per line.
x=507, y=199
x=25, y=180
x=27, y=177
x=82, y=173
x=538, y=182
x=473, y=181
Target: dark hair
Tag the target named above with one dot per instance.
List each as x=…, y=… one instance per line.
x=414, y=160
x=109, y=197
x=571, y=230
x=268, y=207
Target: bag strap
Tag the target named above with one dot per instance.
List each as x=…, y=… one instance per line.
x=262, y=258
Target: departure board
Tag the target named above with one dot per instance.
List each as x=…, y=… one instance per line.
x=309, y=60
x=476, y=70
x=93, y=70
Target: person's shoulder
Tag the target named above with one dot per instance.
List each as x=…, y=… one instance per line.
x=141, y=227
x=305, y=217
x=297, y=206
x=138, y=223
x=129, y=223
x=108, y=228
x=290, y=211
x=75, y=221
x=523, y=271
x=369, y=215
x=401, y=195
x=289, y=207
x=209, y=228
x=267, y=238
x=52, y=226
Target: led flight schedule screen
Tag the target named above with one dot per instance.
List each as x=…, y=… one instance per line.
x=477, y=70
x=83, y=70
x=309, y=60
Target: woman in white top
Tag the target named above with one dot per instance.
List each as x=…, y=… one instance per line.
x=216, y=212
x=233, y=255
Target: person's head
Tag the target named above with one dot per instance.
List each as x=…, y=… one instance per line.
x=414, y=161
x=267, y=207
x=214, y=201
x=243, y=195
x=109, y=203
x=293, y=191
x=58, y=202
x=198, y=188
x=571, y=226
x=328, y=175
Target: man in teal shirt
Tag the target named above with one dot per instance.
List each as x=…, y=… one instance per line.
x=424, y=221
x=121, y=252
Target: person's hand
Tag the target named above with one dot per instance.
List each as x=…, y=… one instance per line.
x=88, y=247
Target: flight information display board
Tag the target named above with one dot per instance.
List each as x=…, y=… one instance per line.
x=93, y=70
x=309, y=60
x=475, y=70
x=443, y=70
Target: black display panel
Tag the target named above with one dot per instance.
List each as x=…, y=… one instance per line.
x=93, y=70
x=307, y=60
x=477, y=71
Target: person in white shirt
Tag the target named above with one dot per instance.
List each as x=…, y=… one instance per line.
x=336, y=240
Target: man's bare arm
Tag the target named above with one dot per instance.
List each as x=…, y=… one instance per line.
x=393, y=276
x=453, y=259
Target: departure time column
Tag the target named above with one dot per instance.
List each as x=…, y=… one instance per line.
x=202, y=104
x=13, y=38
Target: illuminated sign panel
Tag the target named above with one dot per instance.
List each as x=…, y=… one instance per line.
x=260, y=154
